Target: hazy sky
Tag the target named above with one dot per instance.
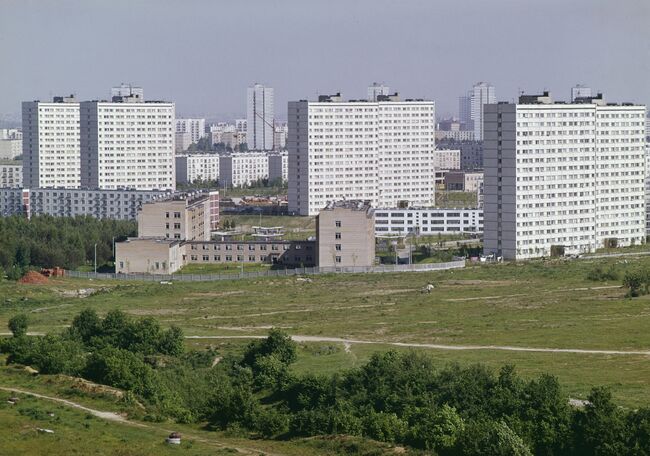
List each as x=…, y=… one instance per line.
x=202, y=54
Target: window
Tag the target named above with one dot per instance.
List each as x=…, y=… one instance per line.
x=193, y=257
x=337, y=235
x=228, y=258
x=338, y=259
x=228, y=247
x=177, y=215
x=167, y=225
x=338, y=247
x=206, y=258
x=177, y=226
x=157, y=265
x=338, y=224
x=240, y=247
x=217, y=258
x=166, y=213
x=251, y=258
x=177, y=235
x=121, y=264
x=240, y=257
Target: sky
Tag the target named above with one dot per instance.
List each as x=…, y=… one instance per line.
x=203, y=54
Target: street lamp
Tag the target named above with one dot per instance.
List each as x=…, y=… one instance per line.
x=95, y=258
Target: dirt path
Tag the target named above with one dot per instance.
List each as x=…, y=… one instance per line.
x=117, y=418
x=350, y=342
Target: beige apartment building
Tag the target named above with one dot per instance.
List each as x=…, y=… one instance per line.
x=346, y=234
x=185, y=217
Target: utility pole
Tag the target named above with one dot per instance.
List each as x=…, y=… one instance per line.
x=95, y=258
x=113, y=249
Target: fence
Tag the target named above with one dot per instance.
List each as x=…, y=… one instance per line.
x=271, y=273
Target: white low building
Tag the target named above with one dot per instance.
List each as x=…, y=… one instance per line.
x=428, y=221
x=238, y=169
x=10, y=148
x=11, y=173
x=197, y=167
x=446, y=159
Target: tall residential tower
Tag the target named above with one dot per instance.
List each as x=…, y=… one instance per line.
x=260, y=118
x=562, y=178
x=381, y=152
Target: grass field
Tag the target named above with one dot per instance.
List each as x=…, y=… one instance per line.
x=525, y=305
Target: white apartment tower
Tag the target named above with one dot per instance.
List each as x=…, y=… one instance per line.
x=482, y=93
x=127, y=143
x=51, y=151
x=195, y=128
x=565, y=175
x=377, y=89
x=378, y=151
x=260, y=119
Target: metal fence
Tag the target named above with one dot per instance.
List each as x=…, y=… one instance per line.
x=270, y=273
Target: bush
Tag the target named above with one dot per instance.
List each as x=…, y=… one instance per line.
x=18, y=325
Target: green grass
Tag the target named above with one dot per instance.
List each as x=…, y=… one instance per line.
x=453, y=199
x=535, y=304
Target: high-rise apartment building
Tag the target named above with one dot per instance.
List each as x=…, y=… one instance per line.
x=379, y=151
x=377, y=89
x=51, y=151
x=465, y=112
x=562, y=177
x=260, y=119
x=127, y=90
x=482, y=93
x=127, y=143
x=580, y=91
x=195, y=128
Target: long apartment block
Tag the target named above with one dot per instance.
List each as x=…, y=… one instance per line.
x=380, y=151
x=565, y=175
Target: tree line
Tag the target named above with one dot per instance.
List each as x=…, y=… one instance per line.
x=68, y=242
x=404, y=398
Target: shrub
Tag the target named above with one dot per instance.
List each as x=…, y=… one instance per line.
x=18, y=325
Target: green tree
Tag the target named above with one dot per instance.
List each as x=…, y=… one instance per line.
x=495, y=438
x=435, y=429
x=18, y=325
x=86, y=325
x=600, y=426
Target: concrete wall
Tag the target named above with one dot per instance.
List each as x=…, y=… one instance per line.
x=153, y=256
x=346, y=237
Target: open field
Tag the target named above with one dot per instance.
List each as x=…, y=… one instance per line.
x=516, y=306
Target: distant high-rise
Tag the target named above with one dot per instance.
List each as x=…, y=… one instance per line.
x=580, y=91
x=195, y=128
x=465, y=111
x=127, y=90
x=482, y=93
x=260, y=118
x=51, y=143
x=377, y=89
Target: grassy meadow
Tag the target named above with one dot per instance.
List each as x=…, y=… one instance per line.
x=533, y=305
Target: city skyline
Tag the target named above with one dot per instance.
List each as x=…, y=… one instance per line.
x=457, y=37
